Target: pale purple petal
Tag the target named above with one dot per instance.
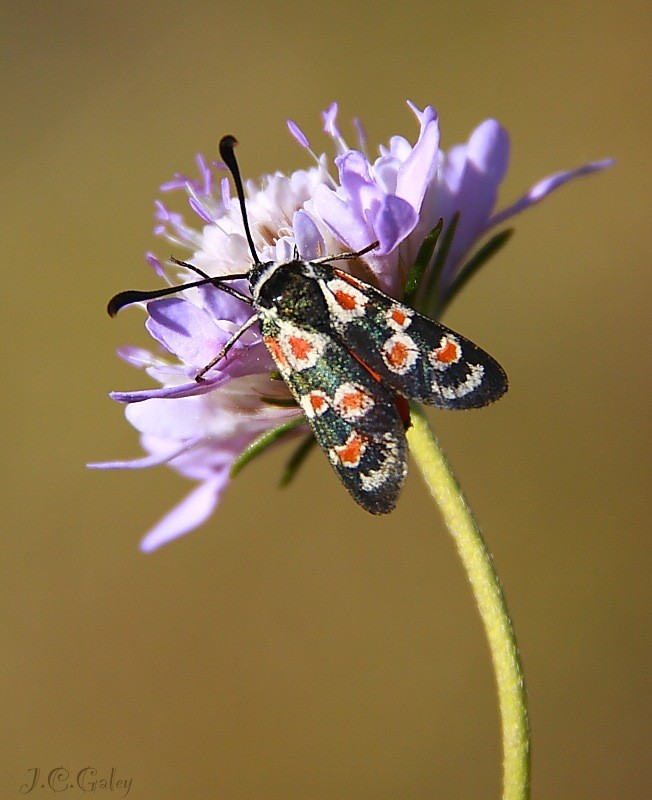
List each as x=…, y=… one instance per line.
x=153, y=460
x=170, y=392
x=488, y=149
x=190, y=513
x=453, y=166
x=419, y=168
x=178, y=182
x=394, y=221
x=185, y=330
x=358, y=188
x=425, y=116
x=362, y=134
x=201, y=210
x=353, y=168
x=174, y=228
x=386, y=173
x=479, y=164
x=155, y=264
x=251, y=360
x=329, y=118
x=310, y=242
x=191, y=417
x=342, y=220
x=182, y=418
x=399, y=147
x=225, y=188
x=223, y=306
x=474, y=189
x=139, y=357
x=206, y=174
x=298, y=134
x=284, y=250
x=547, y=185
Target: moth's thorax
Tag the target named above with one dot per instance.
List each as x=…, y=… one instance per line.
x=263, y=277
x=289, y=289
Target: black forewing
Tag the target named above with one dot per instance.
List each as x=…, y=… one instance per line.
x=436, y=372
x=377, y=435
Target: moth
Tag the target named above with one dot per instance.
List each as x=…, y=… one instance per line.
x=351, y=356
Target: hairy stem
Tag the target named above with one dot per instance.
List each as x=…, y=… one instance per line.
x=490, y=600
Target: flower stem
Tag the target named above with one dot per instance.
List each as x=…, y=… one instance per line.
x=491, y=603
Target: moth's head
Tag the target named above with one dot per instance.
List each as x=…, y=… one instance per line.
x=259, y=274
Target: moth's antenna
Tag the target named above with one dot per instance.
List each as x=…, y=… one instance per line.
x=227, y=145
x=123, y=299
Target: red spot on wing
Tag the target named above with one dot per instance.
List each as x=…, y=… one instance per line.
x=449, y=352
x=348, y=278
x=274, y=347
x=347, y=301
x=397, y=355
x=352, y=451
x=353, y=401
x=317, y=401
x=399, y=316
x=301, y=348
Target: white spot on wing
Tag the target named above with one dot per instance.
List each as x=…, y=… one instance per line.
x=352, y=401
x=449, y=352
x=399, y=317
x=350, y=453
x=315, y=403
x=400, y=353
x=345, y=302
x=372, y=480
x=302, y=349
x=470, y=384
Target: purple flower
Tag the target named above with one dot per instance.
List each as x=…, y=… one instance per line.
x=200, y=429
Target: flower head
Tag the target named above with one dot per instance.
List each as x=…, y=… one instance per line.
x=200, y=429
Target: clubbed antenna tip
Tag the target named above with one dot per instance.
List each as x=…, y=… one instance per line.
x=227, y=152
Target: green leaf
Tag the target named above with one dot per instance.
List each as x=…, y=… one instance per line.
x=478, y=260
x=262, y=442
x=421, y=263
x=281, y=402
x=440, y=259
x=296, y=460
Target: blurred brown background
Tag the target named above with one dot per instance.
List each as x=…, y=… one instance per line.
x=294, y=647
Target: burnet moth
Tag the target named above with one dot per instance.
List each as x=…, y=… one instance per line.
x=351, y=356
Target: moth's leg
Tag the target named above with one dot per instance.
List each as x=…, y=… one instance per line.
x=228, y=345
x=347, y=256
x=219, y=281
